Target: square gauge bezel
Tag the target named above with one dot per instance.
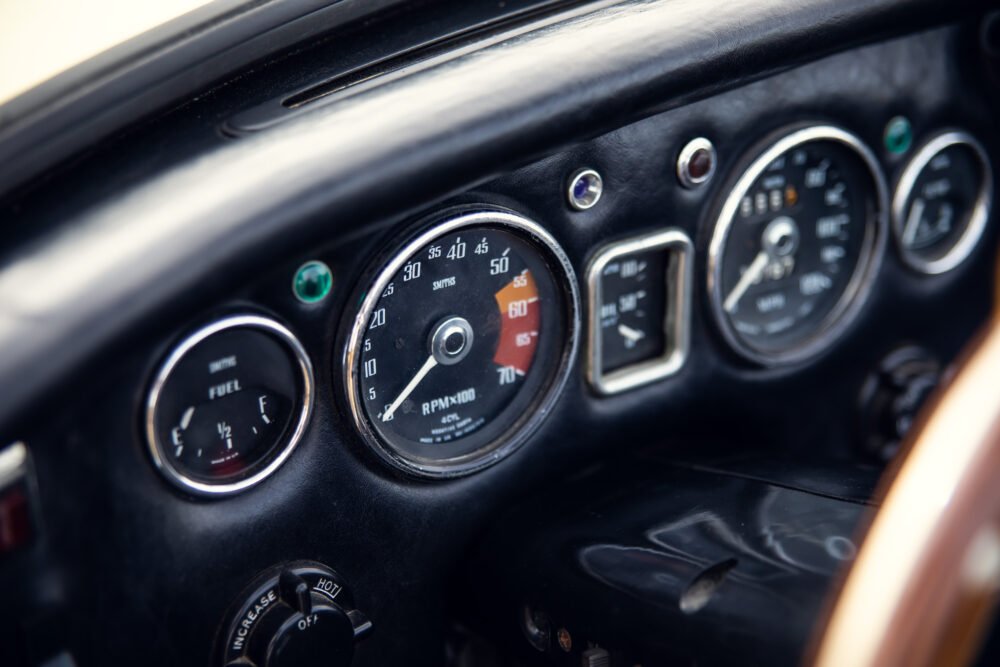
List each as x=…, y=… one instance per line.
x=677, y=311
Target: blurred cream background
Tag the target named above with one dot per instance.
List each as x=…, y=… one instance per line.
x=40, y=38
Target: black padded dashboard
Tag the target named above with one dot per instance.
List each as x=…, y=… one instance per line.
x=116, y=256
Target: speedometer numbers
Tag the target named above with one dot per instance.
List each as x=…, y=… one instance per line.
x=461, y=344
x=796, y=245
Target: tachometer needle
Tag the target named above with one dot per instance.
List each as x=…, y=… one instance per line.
x=408, y=389
x=631, y=334
x=749, y=276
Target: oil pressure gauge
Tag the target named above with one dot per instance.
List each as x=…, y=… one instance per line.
x=640, y=292
x=228, y=405
x=942, y=203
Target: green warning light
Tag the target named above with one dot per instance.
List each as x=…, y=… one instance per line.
x=898, y=135
x=313, y=281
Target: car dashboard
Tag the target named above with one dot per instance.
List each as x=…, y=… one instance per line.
x=483, y=333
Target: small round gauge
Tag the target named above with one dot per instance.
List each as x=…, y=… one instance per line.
x=942, y=203
x=228, y=405
x=462, y=343
x=796, y=245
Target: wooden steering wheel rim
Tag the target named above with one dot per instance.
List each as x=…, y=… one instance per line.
x=924, y=583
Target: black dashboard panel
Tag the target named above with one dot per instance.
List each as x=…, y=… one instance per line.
x=117, y=258
x=651, y=574
x=621, y=50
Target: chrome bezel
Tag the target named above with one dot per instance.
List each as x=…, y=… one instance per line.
x=676, y=318
x=579, y=203
x=508, y=442
x=163, y=462
x=857, y=290
x=684, y=163
x=976, y=224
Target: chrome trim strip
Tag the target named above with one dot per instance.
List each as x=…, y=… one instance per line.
x=507, y=443
x=164, y=464
x=677, y=311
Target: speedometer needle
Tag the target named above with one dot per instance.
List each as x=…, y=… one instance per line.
x=753, y=271
x=408, y=389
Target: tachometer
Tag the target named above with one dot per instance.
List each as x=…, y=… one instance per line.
x=796, y=245
x=462, y=342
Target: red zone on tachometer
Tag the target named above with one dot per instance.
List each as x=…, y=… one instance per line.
x=520, y=316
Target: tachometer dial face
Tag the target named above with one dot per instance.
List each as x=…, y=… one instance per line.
x=461, y=343
x=942, y=203
x=796, y=245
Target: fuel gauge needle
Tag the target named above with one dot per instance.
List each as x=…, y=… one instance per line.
x=408, y=389
x=753, y=271
x=186, y=418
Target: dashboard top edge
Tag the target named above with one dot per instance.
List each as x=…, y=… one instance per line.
x=621, y=46
x=110, y=90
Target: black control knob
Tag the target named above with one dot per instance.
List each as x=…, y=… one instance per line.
x=301, y=615
x=892, y=398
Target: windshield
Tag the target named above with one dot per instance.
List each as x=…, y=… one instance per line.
x=47, y=37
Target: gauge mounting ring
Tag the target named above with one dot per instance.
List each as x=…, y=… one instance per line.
x=371, y=292
x=288, y=440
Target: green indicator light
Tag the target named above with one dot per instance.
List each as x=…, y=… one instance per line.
x=313, y=281
x=898, y=135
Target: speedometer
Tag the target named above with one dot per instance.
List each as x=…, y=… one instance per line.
x=462, y=342
x=796, y=245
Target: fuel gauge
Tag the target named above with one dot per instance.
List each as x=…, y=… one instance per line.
x=229, y=405
x=639, y=310
x=942, y=203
